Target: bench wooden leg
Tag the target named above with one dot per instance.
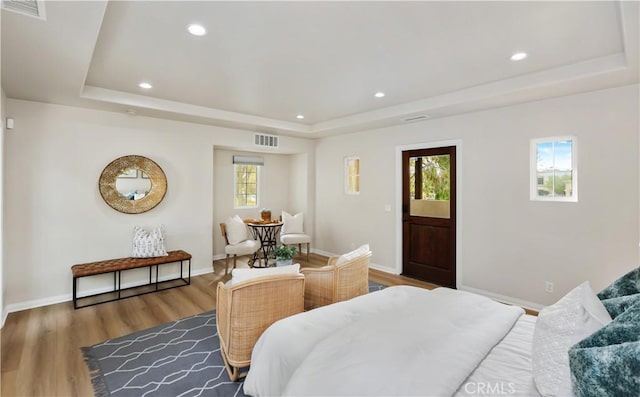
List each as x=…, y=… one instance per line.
x=75, y=293
x=226, y=265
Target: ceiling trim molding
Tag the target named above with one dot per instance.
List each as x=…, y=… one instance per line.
x=164, y=105
x=435, y=106
x=522, y=88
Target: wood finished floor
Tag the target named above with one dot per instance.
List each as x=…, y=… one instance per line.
x=41, y=354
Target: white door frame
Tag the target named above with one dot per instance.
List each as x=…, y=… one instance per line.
x=429, y=145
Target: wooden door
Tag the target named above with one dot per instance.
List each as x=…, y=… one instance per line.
x=429, y=215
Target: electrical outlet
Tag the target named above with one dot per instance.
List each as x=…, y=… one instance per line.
x=548, y=287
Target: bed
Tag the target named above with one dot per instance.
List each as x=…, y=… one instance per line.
x=399, y=341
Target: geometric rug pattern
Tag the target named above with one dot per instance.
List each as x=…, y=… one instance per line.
x=181, y=358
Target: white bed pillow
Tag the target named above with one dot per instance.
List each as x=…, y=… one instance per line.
x=292, y=224
x=148, y=244
x=236, y=230
x=559, y=326
x=240, y=275
x=362, y=250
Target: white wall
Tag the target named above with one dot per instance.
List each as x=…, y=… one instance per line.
x=509, y=245
x=3, y=115
x=54, y=214
x=298, y=184
x=3, y=99
x=301, y=190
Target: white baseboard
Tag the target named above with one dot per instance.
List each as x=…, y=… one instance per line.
x=371, y=264
x=323, y=253
x=52, y=300
x=503, y=298
x=384, y=269
x=32, y=304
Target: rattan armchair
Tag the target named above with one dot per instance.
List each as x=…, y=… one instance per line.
x=246, y=309
x=334, y=283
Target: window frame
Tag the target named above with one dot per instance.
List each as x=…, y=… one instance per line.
x=347, y=176
x=533, y=169
x=235, y=186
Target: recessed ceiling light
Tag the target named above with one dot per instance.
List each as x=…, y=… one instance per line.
x=299, y=117
x=379, y=94
x=197, y=30
x=145, y=85
x=518, y=56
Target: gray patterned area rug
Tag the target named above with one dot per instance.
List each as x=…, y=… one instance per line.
x=181, y=358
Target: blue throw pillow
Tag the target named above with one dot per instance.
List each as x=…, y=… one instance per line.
x=617, y=306
x=607, y=363
x=628, y=284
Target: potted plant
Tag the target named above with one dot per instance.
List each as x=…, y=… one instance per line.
x=284, y=255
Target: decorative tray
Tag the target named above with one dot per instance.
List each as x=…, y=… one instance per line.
x=261, y=222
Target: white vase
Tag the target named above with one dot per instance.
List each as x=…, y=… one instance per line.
x=284, y=262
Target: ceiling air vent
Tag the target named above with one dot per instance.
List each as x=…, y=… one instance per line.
x=265, y=140
x=32, y=8
x=416, y=118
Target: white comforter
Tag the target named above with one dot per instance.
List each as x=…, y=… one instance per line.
x=398, y=341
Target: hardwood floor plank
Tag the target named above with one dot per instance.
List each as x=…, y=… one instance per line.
x=14, y=331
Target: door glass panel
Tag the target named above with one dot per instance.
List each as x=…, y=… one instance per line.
x=429, y=186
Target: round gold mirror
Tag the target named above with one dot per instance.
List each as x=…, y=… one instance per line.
x=132, y=184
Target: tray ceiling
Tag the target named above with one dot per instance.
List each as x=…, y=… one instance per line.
x=261, y=64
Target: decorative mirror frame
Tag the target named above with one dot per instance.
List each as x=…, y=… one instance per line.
x=107, y=184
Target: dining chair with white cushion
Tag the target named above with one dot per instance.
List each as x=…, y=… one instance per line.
x=292, y=232
x=238, y=240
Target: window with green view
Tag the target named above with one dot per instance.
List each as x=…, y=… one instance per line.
x=554, y=169
x=246, y=185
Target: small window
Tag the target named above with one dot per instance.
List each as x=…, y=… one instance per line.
x=352, y=175
x=554, y=171
x=246, y=185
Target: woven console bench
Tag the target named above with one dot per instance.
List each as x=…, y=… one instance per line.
x=116, y=266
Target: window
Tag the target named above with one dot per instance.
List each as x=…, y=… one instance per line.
x=246, y=185
x=430, y=186
x=352, y=175
x=554, y=171
x=429, y=177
